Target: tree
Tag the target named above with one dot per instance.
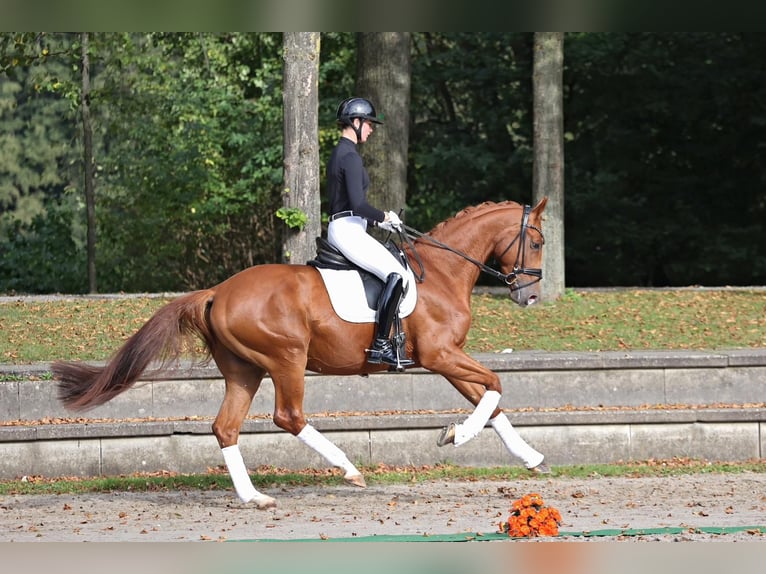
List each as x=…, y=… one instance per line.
x=548, y=165
x=665, y=165
x=88, y=171
x=665, y=181
x=300, y=95
x=40, y=168
x=471, y=127
x=383, y=76
x=195, y=165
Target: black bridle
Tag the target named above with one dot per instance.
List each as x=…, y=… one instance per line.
x=511, y=279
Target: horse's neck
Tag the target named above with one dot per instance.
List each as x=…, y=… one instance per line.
x=474, y=233
x=471, y=234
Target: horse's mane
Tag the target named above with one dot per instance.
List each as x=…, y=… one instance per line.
x=470, y=210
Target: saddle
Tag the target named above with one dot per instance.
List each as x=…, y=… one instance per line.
x=337, y=271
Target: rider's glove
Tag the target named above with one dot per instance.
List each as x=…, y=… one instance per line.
x=394, y=221
x=385, y=225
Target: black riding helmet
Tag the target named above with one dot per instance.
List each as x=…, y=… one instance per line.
x=351, y=108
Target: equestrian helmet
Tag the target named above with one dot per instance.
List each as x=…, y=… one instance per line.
x=351, y=108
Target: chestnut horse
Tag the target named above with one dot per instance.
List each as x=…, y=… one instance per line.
x=277, y=319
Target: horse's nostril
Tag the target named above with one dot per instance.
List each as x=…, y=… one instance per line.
x=532, y=300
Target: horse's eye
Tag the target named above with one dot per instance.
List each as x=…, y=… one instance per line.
x=534, y=245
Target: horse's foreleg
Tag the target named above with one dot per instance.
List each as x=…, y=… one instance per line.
x=485, y=408
x=477, y=420
x=288, y=415
x=516, y=445
x=226, y=427
x=475, y=382
x=461, y=433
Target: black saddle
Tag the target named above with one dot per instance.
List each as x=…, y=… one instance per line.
x=329, y=257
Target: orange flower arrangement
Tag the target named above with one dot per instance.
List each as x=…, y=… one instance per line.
x=530, y=517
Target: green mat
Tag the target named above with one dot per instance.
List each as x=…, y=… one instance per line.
x=495, y=536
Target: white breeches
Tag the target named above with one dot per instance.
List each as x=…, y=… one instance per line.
x=349, y=234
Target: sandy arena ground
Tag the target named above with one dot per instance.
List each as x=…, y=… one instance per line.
x=423, y=509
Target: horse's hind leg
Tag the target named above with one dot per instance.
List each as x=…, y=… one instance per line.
x=242, y=381
x=288, y=415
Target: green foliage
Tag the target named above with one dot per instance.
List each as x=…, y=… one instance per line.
x=664, y=184
x=41, y=256
x=37, y=159
x=198, y=162
x=664, y=149
x=471, y=126
x=293, y=217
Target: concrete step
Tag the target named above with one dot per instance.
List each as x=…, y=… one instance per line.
x=529, y=379
x=565, y=437
x=576, y=408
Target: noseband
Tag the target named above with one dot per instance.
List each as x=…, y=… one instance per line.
x=511, y=279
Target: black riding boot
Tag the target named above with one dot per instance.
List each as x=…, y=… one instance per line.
x=383, y=351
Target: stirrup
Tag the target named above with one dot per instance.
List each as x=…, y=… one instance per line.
x=398, y=342
x=401, y=364
x=383, y=351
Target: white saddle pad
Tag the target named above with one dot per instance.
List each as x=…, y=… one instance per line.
x=349, y=301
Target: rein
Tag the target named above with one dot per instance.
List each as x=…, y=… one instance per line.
x=511, y=279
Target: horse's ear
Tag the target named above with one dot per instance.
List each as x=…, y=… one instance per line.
x=540, y=205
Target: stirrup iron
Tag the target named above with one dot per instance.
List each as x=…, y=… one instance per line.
x=398, y=342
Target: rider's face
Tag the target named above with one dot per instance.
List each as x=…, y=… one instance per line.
x=367, y=129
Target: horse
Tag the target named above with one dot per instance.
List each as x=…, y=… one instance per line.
x=277, y=319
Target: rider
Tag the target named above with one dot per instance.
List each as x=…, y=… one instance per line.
x=347, y=183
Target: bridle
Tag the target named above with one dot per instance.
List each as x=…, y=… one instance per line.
x=511, y=279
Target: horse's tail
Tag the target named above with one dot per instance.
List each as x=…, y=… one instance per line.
x=162, y=338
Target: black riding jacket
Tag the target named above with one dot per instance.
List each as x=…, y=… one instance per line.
x=347, y=182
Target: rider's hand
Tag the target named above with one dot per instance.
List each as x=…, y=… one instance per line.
x=385, y=225
x=394, y=220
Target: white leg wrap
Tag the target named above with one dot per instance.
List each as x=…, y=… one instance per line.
x=477, y=420
x=311, y=437
x=242, y=483
x=514, y=443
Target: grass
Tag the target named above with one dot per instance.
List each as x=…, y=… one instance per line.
x=624, y=319
x=34, y=330
x=40, y=330
x=269, y=477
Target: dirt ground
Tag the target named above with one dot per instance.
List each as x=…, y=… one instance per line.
x=417, y=509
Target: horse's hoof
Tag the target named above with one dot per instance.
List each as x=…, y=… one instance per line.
x=356, y=480
x=264, y=502
x=541, y=468
x=447, y=435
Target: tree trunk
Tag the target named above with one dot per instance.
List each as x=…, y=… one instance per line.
x=87, y=135
x=383, y=76
x=301, y=146
x=548, y=168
